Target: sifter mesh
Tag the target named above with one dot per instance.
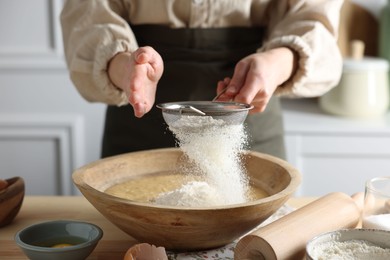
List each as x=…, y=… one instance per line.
x=230, y=112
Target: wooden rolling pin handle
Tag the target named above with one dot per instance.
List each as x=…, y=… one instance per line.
x=358, y=198
x=286, y=238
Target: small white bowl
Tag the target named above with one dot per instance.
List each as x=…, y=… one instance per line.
x=377, y=237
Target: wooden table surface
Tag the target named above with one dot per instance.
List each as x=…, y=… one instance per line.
x=37, y=209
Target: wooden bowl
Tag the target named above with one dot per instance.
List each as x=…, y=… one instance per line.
x=11, y=199
x=179, y=228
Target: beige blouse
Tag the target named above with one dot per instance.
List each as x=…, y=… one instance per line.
x=95, y=30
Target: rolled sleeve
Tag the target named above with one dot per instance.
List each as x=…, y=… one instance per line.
x=93, y=33
x=310, y=30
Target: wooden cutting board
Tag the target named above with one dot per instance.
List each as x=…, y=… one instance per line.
x=356, y=23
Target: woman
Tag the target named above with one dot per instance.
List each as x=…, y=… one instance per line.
x=132, y=54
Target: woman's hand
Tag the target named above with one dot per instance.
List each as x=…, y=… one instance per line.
x=257, y=76
x=137, y=74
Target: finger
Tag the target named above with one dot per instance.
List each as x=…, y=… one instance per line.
x=259, y=104
x=134, y=90
x=221, y=90
x=258, y=107
x=141, y=93
x=139, y=104
x=238, y=79
x=139, y=109
x=253, y=88
x=149, y=55
x=145, y=55
x=141, y=56
x=220, y=86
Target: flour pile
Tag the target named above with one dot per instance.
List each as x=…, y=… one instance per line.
x=191, y=194
x=213, y=148
x=350, y=250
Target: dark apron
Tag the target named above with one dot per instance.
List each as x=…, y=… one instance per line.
x=194, y=61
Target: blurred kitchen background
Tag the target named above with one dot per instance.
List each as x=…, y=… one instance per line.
x=47, y=130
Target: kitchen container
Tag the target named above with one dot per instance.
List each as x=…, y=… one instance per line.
x=11, y=200
x=323, y=245
x=182, y=228
x=231, y=113
x=363, y=90
x=376, y=213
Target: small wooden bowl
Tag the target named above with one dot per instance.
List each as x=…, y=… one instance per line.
x=183, y=228
x=11, y=199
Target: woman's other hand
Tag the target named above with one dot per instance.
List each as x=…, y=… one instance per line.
x=137, y=74
x=257, y=76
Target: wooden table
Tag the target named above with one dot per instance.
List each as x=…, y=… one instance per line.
x=37, y=209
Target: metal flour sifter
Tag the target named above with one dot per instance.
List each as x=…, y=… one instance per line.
x=230, y=112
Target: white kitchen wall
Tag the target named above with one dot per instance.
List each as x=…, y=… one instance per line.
x=373, y=6
x=46, y=129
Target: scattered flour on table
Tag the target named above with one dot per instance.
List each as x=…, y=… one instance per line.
x=214, y=148
x=350, y=250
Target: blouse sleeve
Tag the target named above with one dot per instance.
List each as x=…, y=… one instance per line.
x=310, y=29
x=93, y=32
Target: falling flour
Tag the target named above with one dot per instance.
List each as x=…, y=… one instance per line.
x=350, y=250
x=214, y=148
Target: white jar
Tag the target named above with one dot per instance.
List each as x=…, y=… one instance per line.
x=363, y=90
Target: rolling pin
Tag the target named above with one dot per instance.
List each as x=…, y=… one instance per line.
x=286, y=238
